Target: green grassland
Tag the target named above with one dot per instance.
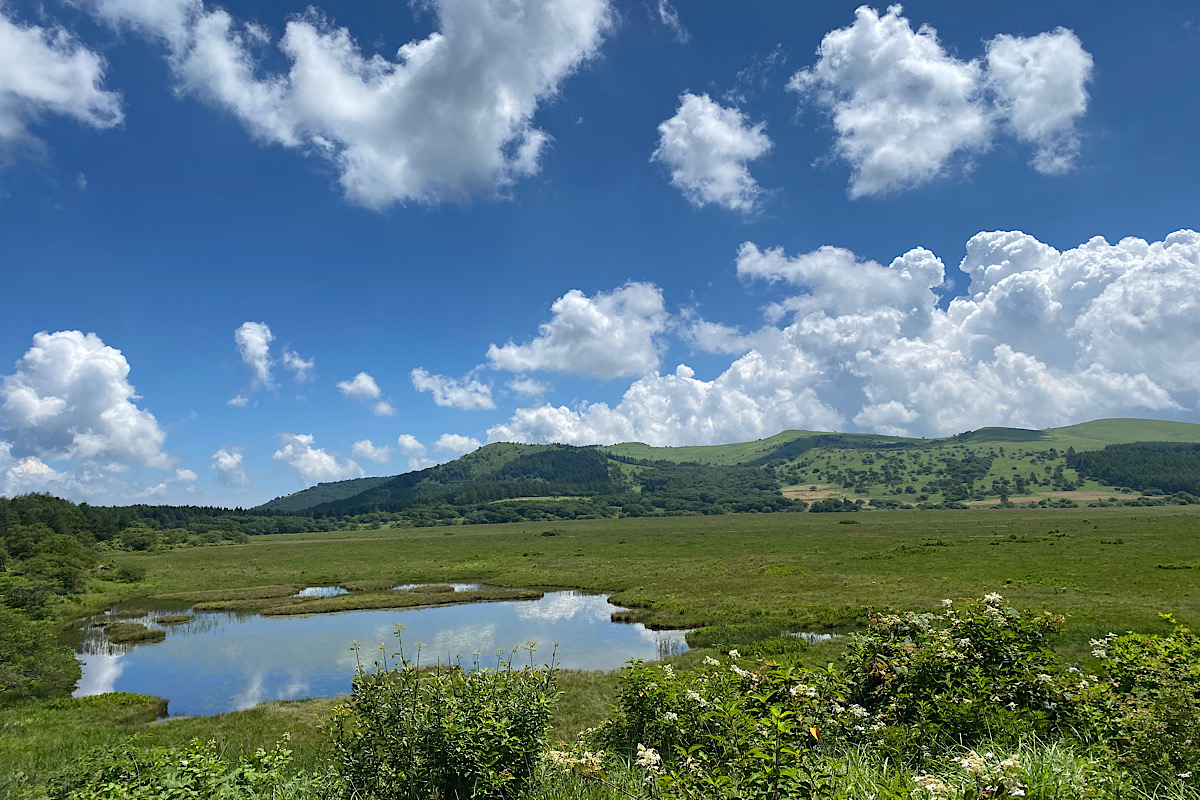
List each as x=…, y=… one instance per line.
x=747, y=575
x=1111, y=567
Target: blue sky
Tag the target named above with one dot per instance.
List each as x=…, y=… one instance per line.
x=249, y=247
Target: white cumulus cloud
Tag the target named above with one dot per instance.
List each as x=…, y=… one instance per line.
x=467, y=393
x=230, y=467
x=904, y=110
x=447, y=117
x=1040, y=87
x=31, y=474
x=412, y=449
x=707, y=146
x=365, y=449
x=1042, y=338
x=253, y=341
x=301, y=368
x=70, y=398
x=313, y=464
x=364, y=388
x=456, y=444
x=529, y=387
x=611, y=335
x=46, y=70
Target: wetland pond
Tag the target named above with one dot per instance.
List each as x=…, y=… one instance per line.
x=218, y=662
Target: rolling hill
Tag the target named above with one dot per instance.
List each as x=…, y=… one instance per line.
x=791, y=470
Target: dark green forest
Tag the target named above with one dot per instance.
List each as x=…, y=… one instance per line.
x=1167, y=467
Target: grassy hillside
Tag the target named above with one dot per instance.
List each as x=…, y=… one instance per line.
x=321, y=493
x=1126, y=431
x=985, y=466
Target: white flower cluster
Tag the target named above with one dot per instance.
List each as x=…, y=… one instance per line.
x=996, y=776
x=932, y=787
x=1100, y=647
x=648, y=758
x=584, y=761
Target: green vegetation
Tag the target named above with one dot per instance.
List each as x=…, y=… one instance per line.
x=801, y=571
x=133, y=633
x=530, y=483
x=1165, y=466
x=1084, y=521
x=966, y=702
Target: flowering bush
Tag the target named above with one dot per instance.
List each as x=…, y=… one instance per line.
x=974, y=670
x=730, y=729
x=444, y=732
x=1156, y=707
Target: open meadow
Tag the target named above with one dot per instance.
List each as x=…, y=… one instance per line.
x=1111, y=568
x=746, y=577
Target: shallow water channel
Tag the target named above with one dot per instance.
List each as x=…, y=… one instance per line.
x=224, y=662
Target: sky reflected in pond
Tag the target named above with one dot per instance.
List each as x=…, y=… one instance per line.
x=224, y=662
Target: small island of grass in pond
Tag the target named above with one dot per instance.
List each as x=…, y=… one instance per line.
x=133, y=633
x=174, y=619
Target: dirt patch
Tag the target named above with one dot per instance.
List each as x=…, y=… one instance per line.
x=1082, y=495
x=807, y=492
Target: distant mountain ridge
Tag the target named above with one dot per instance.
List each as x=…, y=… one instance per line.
x=507, y=472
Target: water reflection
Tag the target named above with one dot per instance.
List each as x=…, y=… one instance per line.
x=222, y=662
x=458, y=587
x=321, y=591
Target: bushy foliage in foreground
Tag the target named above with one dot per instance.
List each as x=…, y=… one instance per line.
x=196, y=772
x=947, y=697
x=969, y=703
x=443, y=733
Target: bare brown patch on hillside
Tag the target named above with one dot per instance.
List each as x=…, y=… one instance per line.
x=807, y=492
x=1086, y=495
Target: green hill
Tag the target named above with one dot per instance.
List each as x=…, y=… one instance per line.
x=793, y=469
x=321, y=493
x=1126, y=431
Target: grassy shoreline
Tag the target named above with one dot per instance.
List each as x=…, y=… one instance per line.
x=1108, y=569
x=1105, y=568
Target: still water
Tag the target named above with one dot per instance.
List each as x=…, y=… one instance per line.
x=224, y=662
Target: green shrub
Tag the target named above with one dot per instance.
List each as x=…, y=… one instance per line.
x=442, y=733
x=723, y=731
x=1156, y=712
x=130, y=573
x=196, y=772
x=976, y=670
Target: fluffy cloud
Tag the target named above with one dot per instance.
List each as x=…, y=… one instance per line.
x=456, y=444
x=47, y=71
x=1042, y=338
x=904, y=110
x=529, y=387
x=467, y=393
x=301, y=368
x=412, y=449
x=608, y=336
x=759, y=395
x=363, y=387
x=31, y=474
x=1039, y=85
x=70, y=398
x=253, y=340
x=707, y=146
x=448, y=117
x=313, y=464
x=230, y=467
x=365, y=449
